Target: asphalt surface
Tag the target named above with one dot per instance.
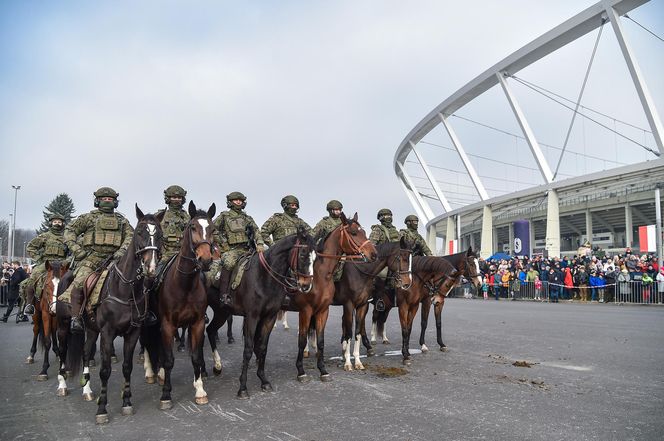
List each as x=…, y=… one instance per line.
x=596, y=373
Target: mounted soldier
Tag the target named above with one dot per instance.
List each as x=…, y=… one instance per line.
x=94, y=239
x=384, y=232
x=411, y=234
x=50, y=246
x=233, y=230
x=280, y=225
x=329, y=223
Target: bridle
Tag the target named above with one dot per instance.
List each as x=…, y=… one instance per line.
x=401, y=272
x=192, y=249
x=356, y=249
x=290, y=282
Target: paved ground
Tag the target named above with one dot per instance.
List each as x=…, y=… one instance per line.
x=597, y=373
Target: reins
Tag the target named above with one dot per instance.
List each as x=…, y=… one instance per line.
x=356, y=249
x=290, y=284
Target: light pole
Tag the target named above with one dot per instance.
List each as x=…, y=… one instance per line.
x=25, y=244
x=16, y=189
x=10, y=239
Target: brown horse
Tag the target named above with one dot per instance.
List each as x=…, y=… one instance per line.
x=182, y=299
x=44, y=316
x=354, y=288
x=348, y=238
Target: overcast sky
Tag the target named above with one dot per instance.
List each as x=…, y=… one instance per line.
x=267, y=98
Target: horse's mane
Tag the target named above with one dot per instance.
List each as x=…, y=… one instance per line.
x=430, y=264
x=385, y=249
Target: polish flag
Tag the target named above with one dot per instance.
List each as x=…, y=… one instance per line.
x=452, y=247
x=647, y=239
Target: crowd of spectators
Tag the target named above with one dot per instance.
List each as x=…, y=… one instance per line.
x=588, y=276
x=12, y=276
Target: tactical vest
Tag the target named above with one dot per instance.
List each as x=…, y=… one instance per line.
x=236, y=230
x=391, y=234
x=173, y=226
x=106, y=234
x=54, y=247
x=287, y=226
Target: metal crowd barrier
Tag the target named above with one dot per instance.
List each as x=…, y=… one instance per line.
x=632, y=292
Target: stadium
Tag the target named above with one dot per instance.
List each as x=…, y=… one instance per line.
x=481, y=184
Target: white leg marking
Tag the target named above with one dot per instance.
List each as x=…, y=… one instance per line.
x=385, y=339
x=356, y=352
x=284, y=320
x=149, y=373
x=162, y=374
x=313, y=342
x=62, y=384
x=217, y=360
x=346, y=347
x=198, y=385
x=374, y=332
x=425, y=348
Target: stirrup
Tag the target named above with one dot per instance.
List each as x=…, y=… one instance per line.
x=29, y=309
x=380, y=305
x=285, y=303
x=226, y=299
x=150, y=319
x=76, y=325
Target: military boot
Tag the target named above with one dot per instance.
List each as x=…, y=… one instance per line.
x=77, y=305
x=380, y=303
x=29, y=300
x=224, y=287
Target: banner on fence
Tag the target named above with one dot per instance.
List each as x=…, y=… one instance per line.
x=521, y=238
x=647, y=238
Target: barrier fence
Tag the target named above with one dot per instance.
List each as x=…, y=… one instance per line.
x=635, y=292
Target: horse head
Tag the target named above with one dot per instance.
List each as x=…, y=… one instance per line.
x=404, y=264
x=55, y=271
x=302, y=260
x=472, y=268
x=354, y=239
x=148, y=239
x=200, y=230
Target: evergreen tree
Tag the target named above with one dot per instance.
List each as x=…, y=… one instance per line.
x=63, y=205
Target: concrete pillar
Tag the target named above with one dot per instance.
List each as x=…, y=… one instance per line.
x=589, y=226
x=552, y=224
x=431, y=239
x=449, y=235
x=458, y=227
x=494, y=234
x=486, y=241
x=628, y=226
x=471, y=238
x=510, y=235
x=531, y=235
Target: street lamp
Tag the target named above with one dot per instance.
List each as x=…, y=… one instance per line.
x=16, y=189
x=25, y=244
x=10, y=239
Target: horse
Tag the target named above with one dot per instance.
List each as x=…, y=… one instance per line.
x=182, y=301
x=287, y=266
x=433, y=278
x=44, y=318
x=348, y=238
x=353, y=290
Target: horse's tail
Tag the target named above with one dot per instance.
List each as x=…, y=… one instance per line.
x=151, y=341
x=75, y=344
x=40, y=332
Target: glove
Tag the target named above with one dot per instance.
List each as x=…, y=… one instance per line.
x=260, y=247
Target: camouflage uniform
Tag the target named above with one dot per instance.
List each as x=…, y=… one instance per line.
x=413, y=237
x=280, y=225
x=93, y=238
x=385, y=232
x=174, y=222
x=232, y=239
x=47, y=246
x=325, y=226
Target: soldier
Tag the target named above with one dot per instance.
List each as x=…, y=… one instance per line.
x=232, y=237
x=383, y=233
x=413, y=237
x=94, y=238
x=280, y=225
x=47, y=246
x=174, y=222
x=329, y=223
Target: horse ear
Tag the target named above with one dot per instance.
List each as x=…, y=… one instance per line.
x=355, y=217
x=160, y=216
x=212, y=210
x=47, y=265
x=403, y=243
x=344, y=219
x=139, y=213
x=64, y=268
x=192, y=209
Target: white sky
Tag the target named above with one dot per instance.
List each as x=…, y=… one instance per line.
x=268, y=98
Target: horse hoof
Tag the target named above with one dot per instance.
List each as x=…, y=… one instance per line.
x=127, y=410
x=150, y=380
x=102, y=419
x=201, y=400
x=267, y=387
x=305, y=354
x=425, y=348
x=29, y=360
x=114, y=359
x=231, y=340
x=371, y=352
x=359, y=367
x=348, y=367
x=325, y=378
x=386, y=342
x=243, y=395
x=62, y=392
x=42, y=377
x=92, y=363
x=165, y=404
x=216, y=371
x=286, y=328
x=303, y=378
x=443, y=348
x=407, y=362
x=180, y=348
x=89, y=396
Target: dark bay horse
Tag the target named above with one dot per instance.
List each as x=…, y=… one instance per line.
x=348, y=238
x=285, y=267
x=182, y=300
x=354, y=288
x=44, y=316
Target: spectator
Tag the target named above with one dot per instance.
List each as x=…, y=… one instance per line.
x=569, y=284
x=4, y=282
x=581, y=280
x=505, y=283
x=17, y=277
x=538, y=288
x=610, y=281
x=485, y=290
x=660, y=286
x=555, y=280
x=624, y=287
x=647, y=282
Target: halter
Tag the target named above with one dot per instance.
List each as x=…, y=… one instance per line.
x=356, y=249
x=290, y=282
x=197, y=264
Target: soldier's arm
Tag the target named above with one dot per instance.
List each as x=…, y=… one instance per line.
x=128, y=233
x=374, y=237
x=220, y=233
x=306, y=226
x=72, y=231
x=317, y=229
x=35, y=248
x=423, y=244
x=258, y=238
x=267, y=229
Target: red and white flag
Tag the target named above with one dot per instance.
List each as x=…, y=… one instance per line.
x=452, y=247
x=647, y=239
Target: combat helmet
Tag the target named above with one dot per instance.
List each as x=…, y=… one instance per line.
x=411, y=218
x=54, y=216
x=106, y=192
x=383, y=212
x=236, y=195
x=334, y=205
x=286, y=201
x=175, y=191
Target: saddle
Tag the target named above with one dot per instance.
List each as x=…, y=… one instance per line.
x=239, y=269
x=93, y=286
x=162, y=270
